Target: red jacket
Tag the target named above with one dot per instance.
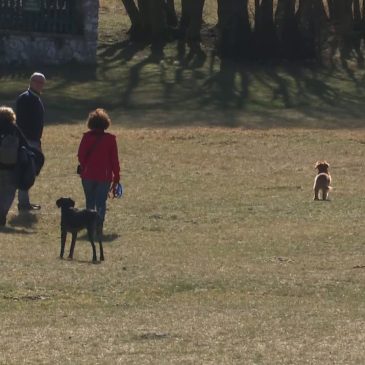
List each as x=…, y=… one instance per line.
x=102, y=164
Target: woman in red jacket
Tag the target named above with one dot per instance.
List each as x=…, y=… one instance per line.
x=99, y=163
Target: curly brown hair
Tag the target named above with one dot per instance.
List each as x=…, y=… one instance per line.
x=7, y=115
x=98, y=119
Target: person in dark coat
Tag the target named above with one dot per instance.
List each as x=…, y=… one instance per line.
x=30, y=120
x=10, y=140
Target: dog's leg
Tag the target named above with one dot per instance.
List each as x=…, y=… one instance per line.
x=73, y=243
x=324, y=194
x=90, y=233
x=63, y=242
x=99, y=230
x=316, y=192
x=101, y=251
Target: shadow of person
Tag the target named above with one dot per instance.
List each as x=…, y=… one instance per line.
x=24, y=219
x=13, y=230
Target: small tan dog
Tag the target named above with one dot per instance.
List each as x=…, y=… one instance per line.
x=322, y=181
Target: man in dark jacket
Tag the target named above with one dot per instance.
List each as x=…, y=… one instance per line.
x=30, y=120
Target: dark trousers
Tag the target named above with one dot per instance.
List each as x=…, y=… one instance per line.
x=7, y=191
x=23, y=195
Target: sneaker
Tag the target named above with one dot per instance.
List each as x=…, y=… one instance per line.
x=29, y=207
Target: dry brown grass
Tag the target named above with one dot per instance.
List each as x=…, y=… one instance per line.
x=216, y=254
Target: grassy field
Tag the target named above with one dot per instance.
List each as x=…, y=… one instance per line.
x=217, y=253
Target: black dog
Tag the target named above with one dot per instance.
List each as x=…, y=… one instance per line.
x=74, y=220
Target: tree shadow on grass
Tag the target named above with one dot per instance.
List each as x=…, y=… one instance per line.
x=134, y=78
x=226, y=93
x=174, y=85
x=222, y=92
x=123, y=51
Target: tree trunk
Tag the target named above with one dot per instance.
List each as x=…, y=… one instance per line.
x=220, y=11
x=257, y=16
x=196, y=20
x=344, y=23
x=135, y=18
x=171, y=13
x=234, y=27
x=305, y=22
x=358, y=32
x=342, y=15
x=143, y=6
x=330, y=8
x=265, y=39
x=322, y=30
x=267, y=13
x=148, y=18
x=357, y=13
x=185, y=16
x=363, y=19
x=264, y=16
x=157, y=19
x=287, y=29
x=191, y=20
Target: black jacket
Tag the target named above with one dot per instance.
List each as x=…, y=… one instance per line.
x=9, y=128
x=30, y=115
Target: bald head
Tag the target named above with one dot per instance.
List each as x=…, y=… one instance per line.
x=37, y=81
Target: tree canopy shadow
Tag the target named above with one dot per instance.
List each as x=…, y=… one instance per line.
x=199, y=84
x=173, y=84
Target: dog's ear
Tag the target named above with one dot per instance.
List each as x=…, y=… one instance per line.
x=70, y=202
x=317, y=164
x=59, y=202
x=326, y=164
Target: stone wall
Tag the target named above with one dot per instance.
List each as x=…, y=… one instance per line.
x=53, y=49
